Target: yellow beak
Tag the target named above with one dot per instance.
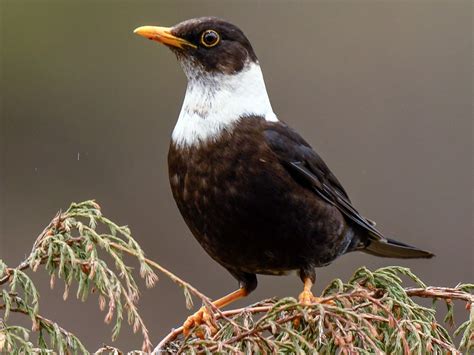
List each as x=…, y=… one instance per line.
x=162, y=35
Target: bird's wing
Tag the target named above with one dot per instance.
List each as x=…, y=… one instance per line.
x=308, y=169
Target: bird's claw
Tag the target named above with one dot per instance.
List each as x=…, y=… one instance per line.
x=200, y=317
x=307, y=298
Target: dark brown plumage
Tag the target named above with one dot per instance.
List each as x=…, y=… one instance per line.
x=229, y=57
x=254, y=193
x=241, y=204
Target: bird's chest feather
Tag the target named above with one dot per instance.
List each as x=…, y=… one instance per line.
x=228, y=192
x=219, y=184
x=242, y=205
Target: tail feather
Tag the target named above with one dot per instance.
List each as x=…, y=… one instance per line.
x=394, y=249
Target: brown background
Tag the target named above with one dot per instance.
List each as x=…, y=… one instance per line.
x=382, y=90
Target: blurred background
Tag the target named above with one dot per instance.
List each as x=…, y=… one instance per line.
x=382, y=89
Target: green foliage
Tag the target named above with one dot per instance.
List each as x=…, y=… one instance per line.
x=72, y=248
x=372, y=313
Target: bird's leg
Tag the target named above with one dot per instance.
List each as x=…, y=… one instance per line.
x=306, y=297
x=308, y=276
x=203, y=316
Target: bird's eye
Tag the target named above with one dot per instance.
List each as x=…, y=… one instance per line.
x=210, y=38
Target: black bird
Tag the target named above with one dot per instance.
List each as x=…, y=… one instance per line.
x=253, y=192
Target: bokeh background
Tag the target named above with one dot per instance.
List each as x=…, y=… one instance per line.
x=382, y=89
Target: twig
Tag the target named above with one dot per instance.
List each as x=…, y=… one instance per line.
x=175, y=332
x=406, y=348
x=257, y=329
x=440, y=292
x=38, y=318
x=168, y=273
x=109, y=349
x=25, y=264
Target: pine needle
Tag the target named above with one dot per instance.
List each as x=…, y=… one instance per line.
x=372, y=313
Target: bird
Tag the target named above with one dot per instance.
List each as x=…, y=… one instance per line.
x=256, y=196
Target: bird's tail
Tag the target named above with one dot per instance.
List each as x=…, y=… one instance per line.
x=390, y=248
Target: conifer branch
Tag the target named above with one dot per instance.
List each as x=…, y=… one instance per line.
x=71, y=248
x=371, y=313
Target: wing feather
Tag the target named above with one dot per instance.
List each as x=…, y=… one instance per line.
x=307, y=167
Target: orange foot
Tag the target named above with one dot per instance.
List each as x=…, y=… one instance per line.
x=198, y=318
x=203, y=316
x=307, y=298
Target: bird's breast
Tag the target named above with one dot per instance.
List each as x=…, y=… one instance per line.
x=243, y=206
x=216, y=184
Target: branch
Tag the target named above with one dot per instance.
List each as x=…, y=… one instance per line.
x=170, y=275
x=371, y=313
x=40, y=319
x=429, y=292
x=69, y=248
x=41, y=323
x=440, y=292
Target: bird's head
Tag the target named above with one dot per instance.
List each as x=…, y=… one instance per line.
x=206, y=45
x=225, y=82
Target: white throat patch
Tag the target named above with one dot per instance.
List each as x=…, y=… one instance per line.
x=213, y=102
